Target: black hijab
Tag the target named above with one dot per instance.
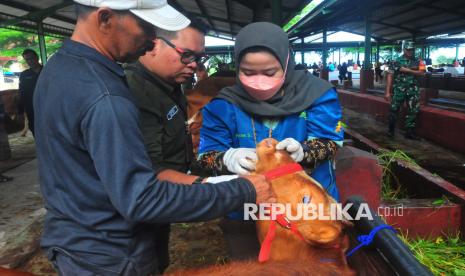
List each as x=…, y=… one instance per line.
x=301, y=89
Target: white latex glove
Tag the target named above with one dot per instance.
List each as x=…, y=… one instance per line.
x=240, y=160
x=221, y=178
x=293, y=147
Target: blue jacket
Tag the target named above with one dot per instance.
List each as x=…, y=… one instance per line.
x=100, y=191
x=226, y=126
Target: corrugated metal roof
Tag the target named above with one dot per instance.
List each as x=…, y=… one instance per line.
x=58, y=16
x=225, y=17
x=391, y=20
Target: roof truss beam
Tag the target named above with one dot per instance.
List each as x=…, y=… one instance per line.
x=241, y=24
x=32, y=10
x=38, y=15
x=424, y=34
x=412, y=31
x=203, y=10
x=452, y=11
x=228, y=14
x=409, y=6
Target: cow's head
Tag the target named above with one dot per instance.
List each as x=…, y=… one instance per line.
x=299, y=188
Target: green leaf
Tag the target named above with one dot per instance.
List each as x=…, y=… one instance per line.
x=439, y=202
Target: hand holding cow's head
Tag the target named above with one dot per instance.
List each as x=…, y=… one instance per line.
x=269, y=158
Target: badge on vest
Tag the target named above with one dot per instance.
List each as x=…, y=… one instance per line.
x=172, y=112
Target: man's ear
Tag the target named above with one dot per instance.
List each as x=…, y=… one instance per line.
x=105, y=19
x=156, y=48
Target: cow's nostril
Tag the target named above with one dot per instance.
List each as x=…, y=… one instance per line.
x=327, y=234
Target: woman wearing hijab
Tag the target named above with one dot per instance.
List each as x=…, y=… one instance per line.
x=271, y=99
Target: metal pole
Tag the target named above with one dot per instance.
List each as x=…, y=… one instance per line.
x=457, y=51
x=387, y=242
x=325, y=50
x=367, y=61
x=42, y=47
x=339, y=56
x=302, y=53
x=230, y=53
x=377, y=52
x=276, y=13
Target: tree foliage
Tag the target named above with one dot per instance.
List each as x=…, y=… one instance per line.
x=306, y=10
x=13, y=43
x=215, y=60
x=444, y=60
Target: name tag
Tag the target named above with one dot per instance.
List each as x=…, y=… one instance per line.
x=172, y=112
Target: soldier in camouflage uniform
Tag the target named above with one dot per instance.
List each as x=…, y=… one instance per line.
x=403, y=71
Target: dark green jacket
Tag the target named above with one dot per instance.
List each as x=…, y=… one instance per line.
x=163, y=111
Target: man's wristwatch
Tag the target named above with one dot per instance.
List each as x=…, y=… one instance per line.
x=198, y=180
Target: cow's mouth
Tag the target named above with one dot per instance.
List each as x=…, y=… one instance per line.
x=325, y=237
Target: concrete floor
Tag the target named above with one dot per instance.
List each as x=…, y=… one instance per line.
x=21, y=205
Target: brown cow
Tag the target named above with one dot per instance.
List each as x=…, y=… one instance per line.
x=12, y=272
x=197, y=98
x=305, y=247
x=10, y=100
x=323, y=240
x=13, y=121
x=297, y=267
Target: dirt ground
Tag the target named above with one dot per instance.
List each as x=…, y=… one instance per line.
x=191, y=245
x=197, y=244
x=22, y=151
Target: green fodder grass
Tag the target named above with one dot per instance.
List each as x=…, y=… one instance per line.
x=443, y=256
x=391, y=187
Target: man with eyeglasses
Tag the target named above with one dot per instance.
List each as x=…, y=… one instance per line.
x=99, y=188
x=155, y=81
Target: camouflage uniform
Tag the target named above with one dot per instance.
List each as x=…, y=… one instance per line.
x=405, y=89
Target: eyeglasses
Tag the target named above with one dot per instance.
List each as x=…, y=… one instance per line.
x=187, y=56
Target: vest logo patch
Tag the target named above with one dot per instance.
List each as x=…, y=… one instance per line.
x=172, y=112
x=339, y=127
x=243, y=135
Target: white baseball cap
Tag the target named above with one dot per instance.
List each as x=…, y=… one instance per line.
x=156, y=12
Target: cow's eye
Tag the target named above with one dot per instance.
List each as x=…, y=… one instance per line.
x=306, y=199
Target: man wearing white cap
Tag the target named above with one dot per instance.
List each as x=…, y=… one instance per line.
x=101, y=195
